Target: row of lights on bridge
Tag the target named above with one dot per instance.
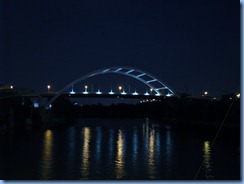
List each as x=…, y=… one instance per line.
x=99, y=92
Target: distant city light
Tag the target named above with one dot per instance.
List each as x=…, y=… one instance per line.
x=36, y=104
x=48, y=88
x=49, y=107
x=238, y=95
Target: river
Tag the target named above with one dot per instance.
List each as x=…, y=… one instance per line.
x=109, y=149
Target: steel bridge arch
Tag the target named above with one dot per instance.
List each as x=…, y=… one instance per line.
x=137, y=74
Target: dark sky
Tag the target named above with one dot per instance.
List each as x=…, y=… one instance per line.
x=193, y=45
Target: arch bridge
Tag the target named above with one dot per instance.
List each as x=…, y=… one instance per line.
x=156, y=85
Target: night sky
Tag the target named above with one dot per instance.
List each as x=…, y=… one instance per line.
x=192, y=46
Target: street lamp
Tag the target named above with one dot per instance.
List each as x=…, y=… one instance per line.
x=205, y=93
x=151, y=90
x=48, y=88
x=86, y=88
x=238, y=95
x=120, y=88
x=11, y=87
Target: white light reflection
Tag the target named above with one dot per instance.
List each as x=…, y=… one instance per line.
x=157, y=144
x=98, y=145
x=135, y=146
x=207, y=160
x=86, y=153
x=111, y=147
x=168, y=152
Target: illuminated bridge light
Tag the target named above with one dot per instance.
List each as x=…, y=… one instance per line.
x=129, y=71
x=146, y=93
x=151, y=81
x=118, y=69
x=85, y=92
x=98, y=92
x=123, y=93
x=169, y=94
x=135, y=93
x=140, y=75
x=160, y=88
x=104, y=71
x=72, y=92
x=157, y=94
x=111, y=92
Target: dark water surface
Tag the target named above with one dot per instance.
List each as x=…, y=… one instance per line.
x=140, y=149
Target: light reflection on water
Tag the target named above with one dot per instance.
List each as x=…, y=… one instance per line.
x=47, y=155
x=86, y=153
x=207, y=160
x=98, y=149
x=111, y=148
x=120, y=150
x=135, y=146
x=151, y=160
x=168, y=150
x=119, y=161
